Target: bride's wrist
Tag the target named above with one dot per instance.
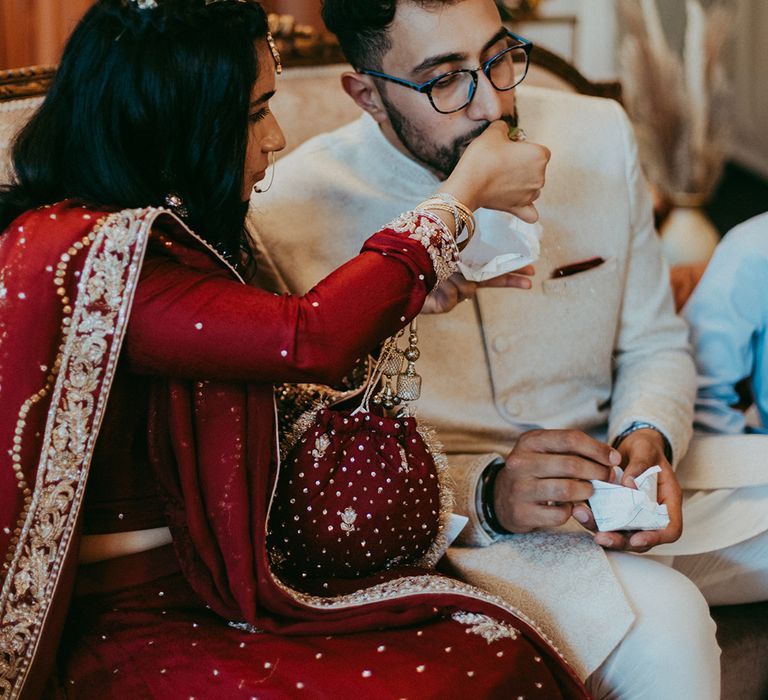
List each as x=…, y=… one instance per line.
x=454, y=213
x=462, y=191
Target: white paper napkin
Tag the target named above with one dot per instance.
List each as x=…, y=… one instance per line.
x=502, y=243
x=618, y=507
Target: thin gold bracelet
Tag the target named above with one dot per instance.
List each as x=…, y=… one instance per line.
x=462, y=215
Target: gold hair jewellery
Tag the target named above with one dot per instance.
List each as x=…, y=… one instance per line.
x=176, y=204
x=275, y=53
x=142, y=4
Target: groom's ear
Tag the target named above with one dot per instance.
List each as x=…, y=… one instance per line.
x=362, y=89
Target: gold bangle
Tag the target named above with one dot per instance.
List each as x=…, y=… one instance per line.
x=437, y=205
x=460, y=222
x=465, y=213
x=462, y=215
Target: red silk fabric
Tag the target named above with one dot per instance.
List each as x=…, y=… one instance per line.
x=210, y=348
x=157, y=640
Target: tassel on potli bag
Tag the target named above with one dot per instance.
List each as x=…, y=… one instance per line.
x=358, y=492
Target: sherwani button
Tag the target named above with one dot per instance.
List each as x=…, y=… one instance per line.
x=513, y=407
x=501, y=343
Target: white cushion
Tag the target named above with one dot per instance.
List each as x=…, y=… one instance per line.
x=13, y=115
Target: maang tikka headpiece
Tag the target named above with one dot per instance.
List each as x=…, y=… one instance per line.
x=275, y=53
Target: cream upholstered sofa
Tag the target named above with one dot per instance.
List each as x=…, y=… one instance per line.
x=309, y=101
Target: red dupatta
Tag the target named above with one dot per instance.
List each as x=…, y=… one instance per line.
x=64, y=307
x=78, y=290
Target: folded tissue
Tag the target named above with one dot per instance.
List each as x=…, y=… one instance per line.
x=617, y=507
x=502, y=243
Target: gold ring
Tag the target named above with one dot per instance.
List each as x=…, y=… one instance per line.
x=516, y=133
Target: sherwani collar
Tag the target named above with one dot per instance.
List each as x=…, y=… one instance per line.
x=402, y=174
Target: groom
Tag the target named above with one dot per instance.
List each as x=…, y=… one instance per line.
x=529, y=390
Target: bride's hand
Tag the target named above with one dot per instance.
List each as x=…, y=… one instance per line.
x=496, y=173
x=457, y=288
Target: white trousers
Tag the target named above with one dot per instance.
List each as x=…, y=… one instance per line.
x=729, y=576
x=671, y=652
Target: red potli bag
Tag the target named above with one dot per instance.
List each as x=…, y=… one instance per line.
x=358, y=491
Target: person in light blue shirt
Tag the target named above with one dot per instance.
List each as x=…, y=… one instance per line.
x=728, y=316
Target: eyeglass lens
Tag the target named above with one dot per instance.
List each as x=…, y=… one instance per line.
x=456, y=89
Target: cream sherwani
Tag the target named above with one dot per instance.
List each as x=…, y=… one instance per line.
x=595, y=351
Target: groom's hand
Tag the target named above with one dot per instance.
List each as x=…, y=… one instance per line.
x=457, y=288
x=546, y=475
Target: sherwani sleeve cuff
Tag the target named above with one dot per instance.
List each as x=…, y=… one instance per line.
x=466, y=473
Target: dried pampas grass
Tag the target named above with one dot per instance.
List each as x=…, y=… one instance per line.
x=678, y=105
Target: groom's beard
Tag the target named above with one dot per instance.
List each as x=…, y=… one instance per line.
x=440, y=158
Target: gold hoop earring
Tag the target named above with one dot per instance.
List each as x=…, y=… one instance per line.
x=271, y=157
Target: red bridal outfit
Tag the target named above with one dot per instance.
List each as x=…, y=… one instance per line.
x=136, y=371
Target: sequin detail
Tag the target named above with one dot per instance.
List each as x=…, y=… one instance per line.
x=246, y=627
x=489, y=629
x=322, y=443
x=348, y=518
x=433, y=234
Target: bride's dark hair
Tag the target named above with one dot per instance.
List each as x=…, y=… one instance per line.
x=147, y=101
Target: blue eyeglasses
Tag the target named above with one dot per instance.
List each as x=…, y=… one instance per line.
x=454, y=90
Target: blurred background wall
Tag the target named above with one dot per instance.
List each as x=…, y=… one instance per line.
x=33, y=32
x=747, y=63
x=743, y=189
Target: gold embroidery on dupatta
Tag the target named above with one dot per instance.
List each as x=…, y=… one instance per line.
x=92, y=335
x=489, y=629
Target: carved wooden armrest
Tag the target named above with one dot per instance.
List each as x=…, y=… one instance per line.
x=303, y=44
x=19, y=83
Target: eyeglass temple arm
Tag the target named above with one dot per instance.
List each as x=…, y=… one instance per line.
x=523, y=41
x=393, y=79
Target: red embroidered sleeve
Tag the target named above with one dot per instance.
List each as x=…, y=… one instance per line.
x=191, y=319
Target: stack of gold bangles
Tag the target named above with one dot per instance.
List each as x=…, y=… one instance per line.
x=463, y=217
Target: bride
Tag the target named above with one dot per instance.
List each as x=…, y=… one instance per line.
x=137, y=410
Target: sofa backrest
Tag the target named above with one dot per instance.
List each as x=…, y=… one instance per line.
x=309, y=101
x=13, y=115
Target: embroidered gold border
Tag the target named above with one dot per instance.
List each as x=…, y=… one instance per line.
x=88, y=360
x=447, y=501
